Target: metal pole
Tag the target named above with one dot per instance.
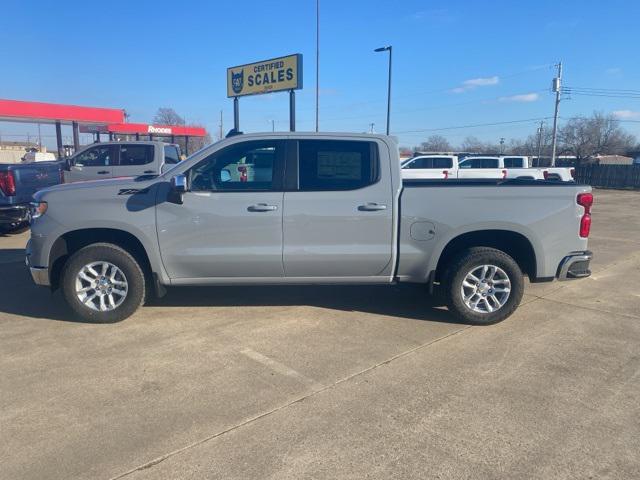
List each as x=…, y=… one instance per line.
x=221, y=134
x=59, y=140
x=236, y=114
x=39, y=138
x=292, y=110
x=317, y=63
x=557, y=88
x=389, y=94
x=76, y=136
x=540, y=130
x=186, y=145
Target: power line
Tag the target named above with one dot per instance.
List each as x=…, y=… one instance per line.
x=509, y=122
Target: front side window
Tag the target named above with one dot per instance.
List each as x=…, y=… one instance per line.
x=132, y=155
x=326, y=165
x=246, y=166
x=94, y=157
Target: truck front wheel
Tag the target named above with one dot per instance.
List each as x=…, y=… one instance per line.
x=483, y=285
x=103, y=283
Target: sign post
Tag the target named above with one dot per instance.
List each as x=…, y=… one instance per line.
x=268, y=76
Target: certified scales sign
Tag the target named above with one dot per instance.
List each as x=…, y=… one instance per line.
x=275, y=75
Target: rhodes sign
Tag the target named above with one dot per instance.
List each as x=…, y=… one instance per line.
x=275, y=75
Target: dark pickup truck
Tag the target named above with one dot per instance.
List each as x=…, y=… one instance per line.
x=18, y=183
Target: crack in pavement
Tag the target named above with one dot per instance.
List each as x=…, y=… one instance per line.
x=313, y=393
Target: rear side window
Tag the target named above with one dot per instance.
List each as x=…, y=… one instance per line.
x=326, y=165
x=514, y=162
x=171, y=155
x=131, y=155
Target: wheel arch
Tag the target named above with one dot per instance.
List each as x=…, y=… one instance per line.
x=513, y=243
x=72, y=241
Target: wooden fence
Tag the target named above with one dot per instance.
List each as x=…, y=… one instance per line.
x=609, y=176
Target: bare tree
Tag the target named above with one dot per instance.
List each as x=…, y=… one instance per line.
x=436, y=143
x=167, y=116
x=598, y=134
x=472, y=144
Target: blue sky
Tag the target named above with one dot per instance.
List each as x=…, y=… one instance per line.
x=455, y=63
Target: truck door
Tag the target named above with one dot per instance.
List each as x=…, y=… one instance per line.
x=93, y=163
x=480, y=167
x=230, y=224
x=135, y=160
x=338, y=220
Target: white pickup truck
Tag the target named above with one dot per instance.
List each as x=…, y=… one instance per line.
x=497, y=167
x=450, y=166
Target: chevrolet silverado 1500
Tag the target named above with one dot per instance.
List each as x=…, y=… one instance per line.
x=304, y=208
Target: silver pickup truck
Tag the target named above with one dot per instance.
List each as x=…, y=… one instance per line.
x=120, y=159
x=304, y=208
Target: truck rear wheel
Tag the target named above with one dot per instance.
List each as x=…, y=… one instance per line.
x=103, y=283
x=483, y=285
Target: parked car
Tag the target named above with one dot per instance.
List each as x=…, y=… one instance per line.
x=120, y=159
x=451, y=166
x=18, y=183
x=326, y=209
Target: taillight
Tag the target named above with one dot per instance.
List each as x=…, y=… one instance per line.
x=8, y=183
x=586, y=201
x=504, y=174
x=446, y=174
x=545, y=174
x=573, y=172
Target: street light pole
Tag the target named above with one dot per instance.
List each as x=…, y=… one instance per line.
x=389, y=49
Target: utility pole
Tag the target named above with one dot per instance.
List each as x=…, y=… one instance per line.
x=557, y=85
x=501, y=145
x=273, y=125
x=221, y=128
x=371, y=125
x=317, y=63
x=540, y=130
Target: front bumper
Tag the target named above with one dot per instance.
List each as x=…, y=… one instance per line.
x=575, y=265
x=40, y=275
x=15, y=214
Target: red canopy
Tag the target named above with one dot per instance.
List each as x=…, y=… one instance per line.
x=39, y=112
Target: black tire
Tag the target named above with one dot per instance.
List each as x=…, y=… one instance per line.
x=465, y=262
x=104, y=252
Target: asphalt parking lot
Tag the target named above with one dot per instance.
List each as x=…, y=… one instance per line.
x=362, y=382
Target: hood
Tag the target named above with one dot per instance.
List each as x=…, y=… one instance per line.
x=112, y=184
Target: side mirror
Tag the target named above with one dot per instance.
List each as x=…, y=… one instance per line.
x=179, y=186
x=225, y=175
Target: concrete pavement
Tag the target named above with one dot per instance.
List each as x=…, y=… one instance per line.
x=362, y=382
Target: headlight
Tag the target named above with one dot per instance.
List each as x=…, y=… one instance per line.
x=38, y=209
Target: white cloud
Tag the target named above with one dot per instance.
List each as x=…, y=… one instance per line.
x=626, y=114
x=523, y=98
x=475, y=83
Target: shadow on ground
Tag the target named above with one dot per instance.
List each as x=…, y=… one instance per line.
x=21, y=297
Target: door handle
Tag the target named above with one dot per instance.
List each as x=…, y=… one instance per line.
x=103, y=172
x=149, y=171
x=262, y=207
x=372, y=207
